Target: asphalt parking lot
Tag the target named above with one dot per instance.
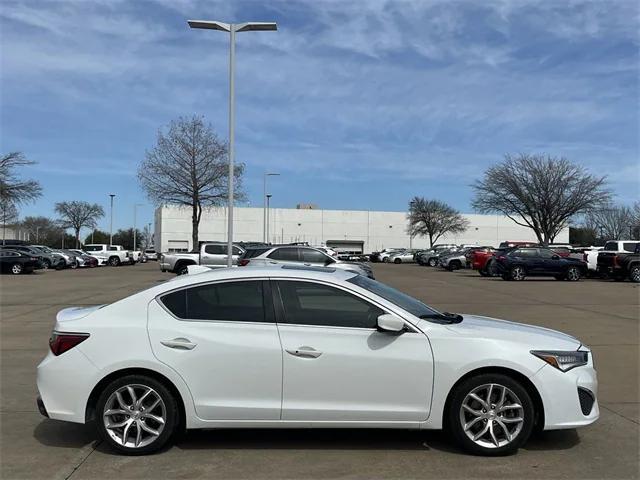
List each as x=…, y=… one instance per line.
x=604, y=315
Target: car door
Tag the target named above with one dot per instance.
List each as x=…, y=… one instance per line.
x=284, y=256
x=553, y=264
x=338, y=368
x=213, y=254
x=222, y=339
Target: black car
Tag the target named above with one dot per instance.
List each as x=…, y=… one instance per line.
x=12, y=261
x=518, y=263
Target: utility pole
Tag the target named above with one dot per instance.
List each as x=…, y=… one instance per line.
x=268, y=200
x=111, y=222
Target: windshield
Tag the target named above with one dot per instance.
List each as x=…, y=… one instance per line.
x=93, y=248
x=404, y=301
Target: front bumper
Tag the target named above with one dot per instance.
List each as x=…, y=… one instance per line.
x=164, y=266
x=561, y=397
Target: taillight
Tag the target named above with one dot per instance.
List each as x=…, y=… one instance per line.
x=61, y=342
x=243, y=262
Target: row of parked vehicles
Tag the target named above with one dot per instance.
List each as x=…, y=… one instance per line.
x=18, y=257
x=617, y=259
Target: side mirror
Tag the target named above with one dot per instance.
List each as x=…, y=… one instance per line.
x=390, y=324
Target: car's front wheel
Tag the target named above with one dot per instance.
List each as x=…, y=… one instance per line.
x=517, y=273
x=16, y=268
x=573, y=274
x=397, y=261
x=114, y=261
x=432, y=262
x=491, y=414
x=137, y=415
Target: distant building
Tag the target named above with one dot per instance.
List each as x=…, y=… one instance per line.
x=352, y=230
x=307, y=206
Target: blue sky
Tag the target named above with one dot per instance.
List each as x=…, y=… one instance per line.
x=358, y=105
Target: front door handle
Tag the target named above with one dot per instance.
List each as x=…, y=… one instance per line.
x=179, y=344
x=304, y=352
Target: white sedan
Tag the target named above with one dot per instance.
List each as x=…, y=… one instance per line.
x=307, y=347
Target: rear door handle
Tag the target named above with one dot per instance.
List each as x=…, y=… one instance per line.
x=304, y=352
x=179, y=344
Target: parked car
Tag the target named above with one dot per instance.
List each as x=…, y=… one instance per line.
x=617, y=261
x=589, y=255
x=116, y=254
x=306, y=256
x=432, y=258
x=44, y=260
x=83, y=259
x=15, y=262
x=517, y=243
x=518, y=263
x=406, y=256
x=307, y=347
x=377, y=256
x=455, y=260
x=151, y=254
x=210, y=254
x=99, y=258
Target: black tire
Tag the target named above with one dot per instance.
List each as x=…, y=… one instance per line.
x=455, y=265
x=171, y=422
x=182, y=268
x=16, y=269
x=517, y=273
x=454, y=421
x=483, y=273
x=74, y=265
x=505, y=276
x=573, y=274
x=46, y=264
x=114, y=261
x=397, y=261
x=432, y=262
x=634, y=273
x=385, y=260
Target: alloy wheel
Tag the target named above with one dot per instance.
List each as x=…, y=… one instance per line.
x=517, y=273
x=573, y=274
x=432, y=262
x=634, y=275
x=491, y=415
x=16, y=269
x=134, y=416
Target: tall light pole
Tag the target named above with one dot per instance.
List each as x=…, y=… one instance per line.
x=268, y=196
x=149, y=235
x=111, y=222
x=264, y=206
x=135, y=206
x=232, y=28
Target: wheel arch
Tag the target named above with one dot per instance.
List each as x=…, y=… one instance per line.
x=527, y=384
x=182, y=263
x=90, y=410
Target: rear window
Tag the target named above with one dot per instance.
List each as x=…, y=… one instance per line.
x=629, y=246
x=229, y=301
x=255, y=252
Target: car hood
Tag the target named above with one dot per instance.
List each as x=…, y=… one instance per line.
x=495, y=329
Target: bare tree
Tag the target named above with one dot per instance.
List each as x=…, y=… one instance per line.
x=542, y=193
x=8, y=216
x=188, y=167
x=77, y=215
x=611, y=222
x=41, y=229
x=13, y=190
x=434, y=218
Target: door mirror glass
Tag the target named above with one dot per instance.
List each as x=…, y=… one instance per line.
x=390, y=323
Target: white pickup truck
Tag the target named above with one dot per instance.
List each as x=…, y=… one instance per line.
x=116, y=254
x=211, y=254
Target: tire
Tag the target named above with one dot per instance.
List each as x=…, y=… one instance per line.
x=385, y=260
x=182, y=268
x=455, y=265
x=46, y=264
x=397, y=261
x=74, y=265
x=573, y=274
x=634, y=273
x=483, y=273
x=17, y=268
x=517, y=273
x=432, y=262
x=505, y=276
x=485, y=420
x=153, y=434
x=114, y=261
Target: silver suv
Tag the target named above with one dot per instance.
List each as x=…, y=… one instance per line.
x=297, y=255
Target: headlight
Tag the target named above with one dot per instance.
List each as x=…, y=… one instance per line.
x=563, y=361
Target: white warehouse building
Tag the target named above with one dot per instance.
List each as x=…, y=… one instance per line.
x=350, y=230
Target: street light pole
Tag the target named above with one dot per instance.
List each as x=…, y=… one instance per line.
x=111, y=222
x=264, y=206
x=135, y=206
x=267, y=226
x=232, y=28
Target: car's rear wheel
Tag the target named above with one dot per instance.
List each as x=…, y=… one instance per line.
x=573, y=274
x=490, y=414
x=137, y=415
x=397, y=261
x=114, y=261
x=16, y=268
x=46, y=264
x=634, y=273
x=517, y=273
x=432, y=262
x=455, y=265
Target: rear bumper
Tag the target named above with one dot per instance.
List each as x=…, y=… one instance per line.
x=41, y=407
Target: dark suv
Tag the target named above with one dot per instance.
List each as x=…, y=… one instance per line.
x=518, y=263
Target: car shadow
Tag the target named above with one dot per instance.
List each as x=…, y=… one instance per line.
x=53, y=433
x=553, y=440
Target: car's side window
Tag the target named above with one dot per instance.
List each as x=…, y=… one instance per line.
x=313, y=256
x=241, y=301
x=215, y=249
x=287, y=253
x=546, y=253
x=307, y=303
x=628, y=247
